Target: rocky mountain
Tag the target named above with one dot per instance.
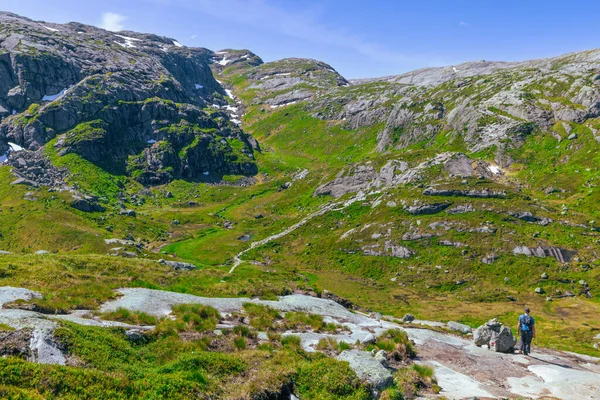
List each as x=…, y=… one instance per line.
x=189, y=223
x=134, y=103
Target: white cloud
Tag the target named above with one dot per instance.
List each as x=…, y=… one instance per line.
x=112, y=21
x=463, y=23
x=193, y=36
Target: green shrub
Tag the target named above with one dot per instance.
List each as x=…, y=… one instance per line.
x=329, y=379
x=261, y=317
x=409, y=381
x=240, y=342
x=291, y=341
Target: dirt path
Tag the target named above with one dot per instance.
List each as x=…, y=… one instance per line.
x=326, y=208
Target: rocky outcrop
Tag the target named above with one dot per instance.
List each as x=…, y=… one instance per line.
x=389, y=249
x=529, y=217
x=482, y=194
x=461, y=209
x=368, y=368
x=562, y=255
x=133, y=104
x=86, y=204
x=178, y=265
x=432, y=208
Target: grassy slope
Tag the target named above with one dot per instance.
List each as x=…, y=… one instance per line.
x=314, y=256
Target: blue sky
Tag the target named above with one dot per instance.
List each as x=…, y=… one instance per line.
x=358, y=38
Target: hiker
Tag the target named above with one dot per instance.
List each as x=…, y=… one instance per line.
x=526, y=329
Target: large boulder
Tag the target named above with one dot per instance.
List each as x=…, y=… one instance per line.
x=503, y=341
x=495, y=336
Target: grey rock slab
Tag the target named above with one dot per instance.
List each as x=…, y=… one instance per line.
x=457, y=326
x=44, y=349
x=9, y=294
x=456, y=385
x=368, y=368
x=159, y=303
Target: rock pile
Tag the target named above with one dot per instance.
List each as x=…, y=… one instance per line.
x=495, y=336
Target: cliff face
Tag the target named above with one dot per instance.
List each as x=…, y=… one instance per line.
x=129, y=102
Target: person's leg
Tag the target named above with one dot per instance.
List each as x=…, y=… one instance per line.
x=521, y=343
x=526, y=342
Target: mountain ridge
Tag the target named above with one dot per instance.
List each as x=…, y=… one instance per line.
x=137, y=175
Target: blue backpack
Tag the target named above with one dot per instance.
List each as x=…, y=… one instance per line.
x=526, y=323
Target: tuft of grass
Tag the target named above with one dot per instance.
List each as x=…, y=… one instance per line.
x=189, y=318
x=130, y=317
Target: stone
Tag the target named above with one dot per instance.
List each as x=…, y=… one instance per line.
x=86, y=205
x=178, y=265
x=367, y=368
x=572, y=136
x=408, y=318
x=369, y=339
x=457, y=326
x=503, y=341
x=490, y=258
x=135, y=336
x=175, y=222
x=42, y=252
x=539, y=290
x=544, y=275
x=128, y=213
x=496, y=336
x=381, y=356
x=482, y=335
x=548, y=298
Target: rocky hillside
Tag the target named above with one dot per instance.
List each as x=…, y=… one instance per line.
x=133, y=103
x=182, y=223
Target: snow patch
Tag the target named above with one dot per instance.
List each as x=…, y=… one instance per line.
x=224, y=61
x=236, y=121
x=54, y=96
x=50, y=29
x=3, y=158
x=495, y=169
x=228, y=92
x=128, y=41
x=15, y=147
x=284, y=104
x=176, y=43
x=199, y=86
x=151, y=141
x=206, y=173
x=14, y=112
x=129, y=38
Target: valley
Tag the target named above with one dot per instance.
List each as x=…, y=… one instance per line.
x=451, y=194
